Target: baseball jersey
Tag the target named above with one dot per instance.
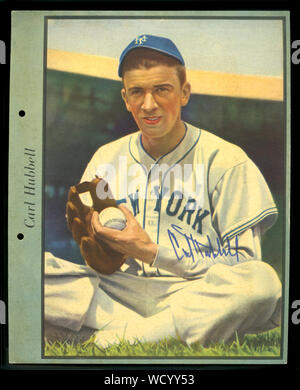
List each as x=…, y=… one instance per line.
x=203, y=202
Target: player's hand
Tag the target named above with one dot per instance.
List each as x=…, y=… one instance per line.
x=132, y=241
x=96, y=254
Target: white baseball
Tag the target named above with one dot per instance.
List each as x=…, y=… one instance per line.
x=113, y=218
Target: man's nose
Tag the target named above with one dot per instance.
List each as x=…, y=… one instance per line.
x=149, y=103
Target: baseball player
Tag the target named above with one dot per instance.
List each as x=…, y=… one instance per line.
x=188, y=263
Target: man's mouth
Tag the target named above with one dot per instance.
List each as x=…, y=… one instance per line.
x=152, y=120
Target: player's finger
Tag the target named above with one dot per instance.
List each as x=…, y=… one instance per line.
x=78, y=230
x=128, y=214
x=130, y=219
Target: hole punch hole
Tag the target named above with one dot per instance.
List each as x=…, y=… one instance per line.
x=20, y=236
x=22, y=113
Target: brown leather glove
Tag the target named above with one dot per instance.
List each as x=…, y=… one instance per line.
x=97, y=254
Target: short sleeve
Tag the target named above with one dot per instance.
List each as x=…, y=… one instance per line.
x=242, y=199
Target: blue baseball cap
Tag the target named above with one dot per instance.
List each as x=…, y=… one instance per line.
x=161, y=44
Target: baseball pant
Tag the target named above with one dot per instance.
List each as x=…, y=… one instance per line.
x=226, y=302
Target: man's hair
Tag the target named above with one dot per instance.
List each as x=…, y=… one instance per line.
x=148, y=58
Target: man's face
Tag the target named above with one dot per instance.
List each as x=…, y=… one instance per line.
x=154, y=97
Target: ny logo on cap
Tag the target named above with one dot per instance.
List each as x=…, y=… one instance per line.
x=140, y=40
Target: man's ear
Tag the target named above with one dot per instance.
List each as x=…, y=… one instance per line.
x=124, y=97
x=186, y=93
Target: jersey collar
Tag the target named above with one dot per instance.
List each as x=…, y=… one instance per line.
x=139, y=154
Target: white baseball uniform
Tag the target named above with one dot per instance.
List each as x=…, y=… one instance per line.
x=206, y=205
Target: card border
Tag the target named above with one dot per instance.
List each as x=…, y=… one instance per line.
x=284, y=15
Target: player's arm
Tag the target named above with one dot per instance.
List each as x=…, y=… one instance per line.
x=245, y=246
x=133, y=241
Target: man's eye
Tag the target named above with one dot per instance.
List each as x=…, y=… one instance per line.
x=162, y=90
x=135, y=92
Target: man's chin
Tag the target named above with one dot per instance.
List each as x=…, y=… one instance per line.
x=152, y=132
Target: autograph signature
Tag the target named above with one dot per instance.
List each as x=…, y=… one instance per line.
x=198, y=247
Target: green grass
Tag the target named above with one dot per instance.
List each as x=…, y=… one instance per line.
x=266, y=344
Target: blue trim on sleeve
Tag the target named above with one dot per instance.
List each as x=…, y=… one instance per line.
x=251, y=222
